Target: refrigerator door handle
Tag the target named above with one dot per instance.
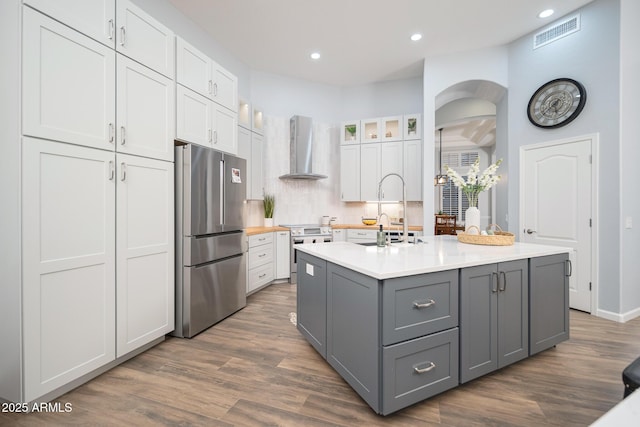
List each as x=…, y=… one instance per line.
x=221, y=192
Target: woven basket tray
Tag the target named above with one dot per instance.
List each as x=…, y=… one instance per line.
x=499, y=238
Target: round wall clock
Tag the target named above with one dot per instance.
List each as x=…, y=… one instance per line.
x=556, y=103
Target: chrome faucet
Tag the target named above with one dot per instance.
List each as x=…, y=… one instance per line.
x=405, y=227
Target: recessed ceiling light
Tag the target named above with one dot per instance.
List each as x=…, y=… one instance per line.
x=415, y=37
x=545, y=13
x=315, y=55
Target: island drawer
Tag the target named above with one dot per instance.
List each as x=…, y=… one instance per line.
x=419, y=305
x=415, y=370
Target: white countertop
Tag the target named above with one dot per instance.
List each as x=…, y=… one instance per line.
x=437, y=253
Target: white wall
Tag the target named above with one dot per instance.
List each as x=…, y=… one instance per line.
x=590, y=56
x=439, y=74
x=629, y=156
x=381, y=99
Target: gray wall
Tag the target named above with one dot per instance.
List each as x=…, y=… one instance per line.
x=592, y=57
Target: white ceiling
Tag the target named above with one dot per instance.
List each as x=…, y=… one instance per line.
x=362, y=41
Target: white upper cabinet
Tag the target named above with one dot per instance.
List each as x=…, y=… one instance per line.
x=391, y=129
x=225, y=87
x=369, y=171
x=350, y=132
x=412, y=126
x=225, y=130
x=96, y=19
x=70, y=100
x=201, y=74
x=146, y=118
x=391, y=160
x=370, y=130
x=68, y=263
x=142, y=38
x=350, y=173
x=412, y=168
x=145, y=251
x=194, y=117
x=193, y=68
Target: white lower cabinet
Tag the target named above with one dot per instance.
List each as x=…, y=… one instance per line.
x=260, y=265
x=72, y=270
x=69, y=260
x=361, y=236
x=339, y=235
x=145, y=251
x=283, y=254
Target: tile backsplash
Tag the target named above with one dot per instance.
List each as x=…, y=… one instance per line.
x=306, y=201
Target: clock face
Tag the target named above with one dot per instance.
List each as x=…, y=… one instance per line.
x=556, y=103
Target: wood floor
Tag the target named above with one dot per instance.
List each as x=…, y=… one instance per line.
x=255, y=369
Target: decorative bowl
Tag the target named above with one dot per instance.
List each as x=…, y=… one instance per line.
x=369, y=221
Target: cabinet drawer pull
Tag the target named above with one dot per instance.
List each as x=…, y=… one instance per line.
x=123, y=136
x=215, y=89
x=423, y=370
x=123, y=170
x=262, y=275
x=111, y=132
x=504, y=282
x=111, y=29
x=112, y=170
x=362, y=234
x=262, y=239
x=429, y=303
x=569, y=268
x=262, y=255
x=210, y=86
x=123, y=35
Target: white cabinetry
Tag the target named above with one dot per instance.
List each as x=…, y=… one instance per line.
x=350, y=173
x=250, y=147
x=145, y=251
x=283, y=254
x=145, y=111
x=412, y=126
x=361, y=236
x=70, y=100
x=207, y=79
x=194, y=115
x=412, y=168
x=96, y=19
x=144, y=39
x=225, y=129
x=350, y=132
x=68, y=258
x=391, y=128
x=201, y=74
x=260, y=265
x=364, y=164
x=339, y=235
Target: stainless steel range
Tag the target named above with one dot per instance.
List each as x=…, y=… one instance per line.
x=306, y=233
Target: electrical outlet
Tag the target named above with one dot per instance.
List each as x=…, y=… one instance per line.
x=628, y=223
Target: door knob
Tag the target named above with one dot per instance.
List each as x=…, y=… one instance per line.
x=530, y=231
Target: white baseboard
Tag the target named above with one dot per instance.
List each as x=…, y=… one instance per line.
x=619, y=317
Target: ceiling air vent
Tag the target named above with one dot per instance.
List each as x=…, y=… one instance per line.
x=559, y=30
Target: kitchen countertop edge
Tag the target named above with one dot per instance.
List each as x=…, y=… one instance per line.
x=252, y=231
x=438, y=253
x=375, y=227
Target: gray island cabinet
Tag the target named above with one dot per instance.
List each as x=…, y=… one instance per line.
x=401, y=324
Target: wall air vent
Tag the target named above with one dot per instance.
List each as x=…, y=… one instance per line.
x=559, y=30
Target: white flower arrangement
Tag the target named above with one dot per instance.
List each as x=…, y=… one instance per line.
x=474, y=184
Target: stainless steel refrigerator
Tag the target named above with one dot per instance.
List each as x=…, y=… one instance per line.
x=211, y=244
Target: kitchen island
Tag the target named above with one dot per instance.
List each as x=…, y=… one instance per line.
x=408, y=321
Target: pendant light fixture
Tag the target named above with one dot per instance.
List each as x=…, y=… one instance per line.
x=440, y=179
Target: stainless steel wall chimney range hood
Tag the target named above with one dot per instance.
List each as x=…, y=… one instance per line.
x=300, y=155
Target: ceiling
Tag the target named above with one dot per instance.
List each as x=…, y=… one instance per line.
x=362, y=41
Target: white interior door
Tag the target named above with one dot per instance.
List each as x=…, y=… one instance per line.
x=556, y=206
